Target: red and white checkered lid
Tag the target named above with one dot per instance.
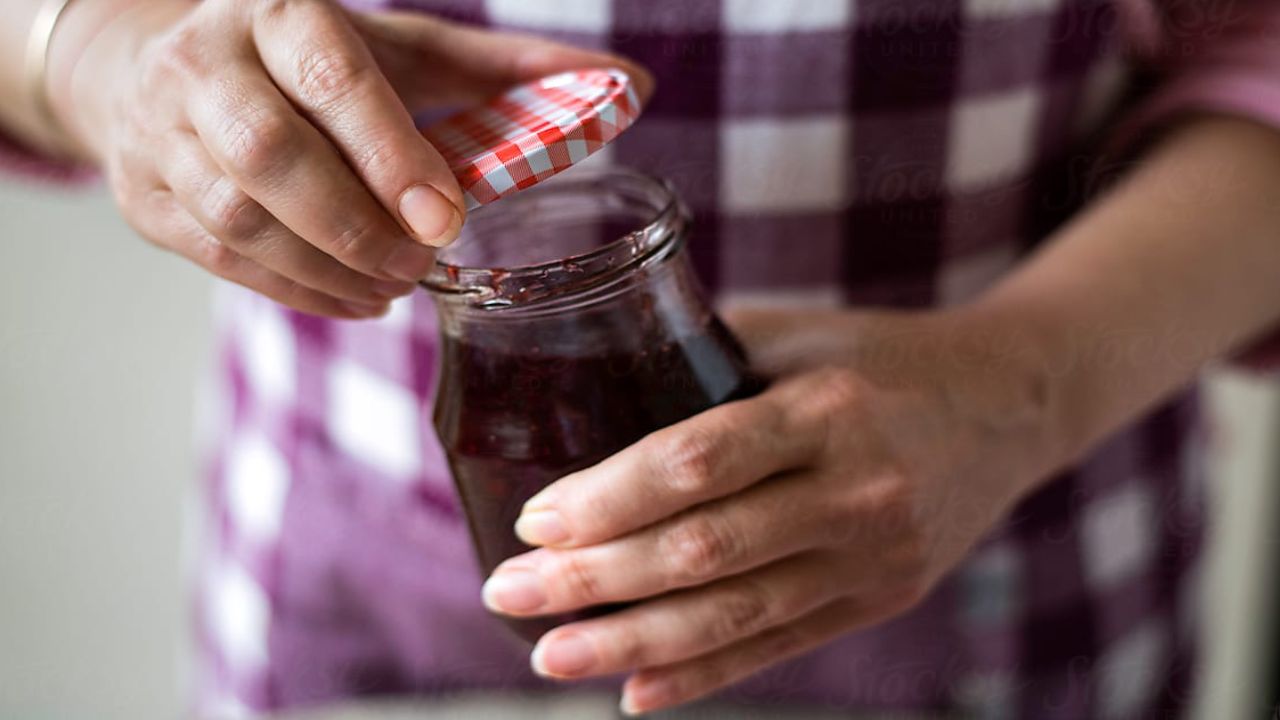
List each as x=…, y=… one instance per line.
x=534, y=131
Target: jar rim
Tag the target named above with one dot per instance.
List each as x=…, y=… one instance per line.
x=495, y=288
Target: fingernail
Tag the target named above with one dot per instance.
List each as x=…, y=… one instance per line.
x=541, y=527
x=514, y=591
x=562, y=656
x=391, y=289
x=432, y=217
x=646, y=696
x=367, y=310
x=409, y=262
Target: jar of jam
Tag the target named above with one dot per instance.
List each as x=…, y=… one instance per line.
x=572, y=325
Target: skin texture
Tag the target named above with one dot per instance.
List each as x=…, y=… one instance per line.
x=271, y=141
x=887, y=444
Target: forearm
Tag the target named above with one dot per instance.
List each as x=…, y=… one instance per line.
x=1175, y=267
x=20, y=114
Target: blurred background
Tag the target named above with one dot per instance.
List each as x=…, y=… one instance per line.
x=102, y=339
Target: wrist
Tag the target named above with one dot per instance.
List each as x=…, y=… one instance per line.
x=88, y=52
x=1003, y=376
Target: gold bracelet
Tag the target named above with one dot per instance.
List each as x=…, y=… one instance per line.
x=37, y=60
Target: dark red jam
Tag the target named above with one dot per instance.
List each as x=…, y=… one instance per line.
x=513, y=418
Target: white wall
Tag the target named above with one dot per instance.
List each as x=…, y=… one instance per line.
x=1241, y=577
x=101, y=337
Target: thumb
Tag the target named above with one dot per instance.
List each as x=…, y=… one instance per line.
x=433, y=62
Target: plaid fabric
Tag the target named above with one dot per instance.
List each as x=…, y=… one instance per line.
x=889, y=152
x=534, y=132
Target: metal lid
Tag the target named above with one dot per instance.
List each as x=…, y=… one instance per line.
x=533, y=131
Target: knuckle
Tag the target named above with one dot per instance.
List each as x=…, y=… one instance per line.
x=839, y=387
x=378, y=158
x=217, y=258
x=277, y=9
x=835, y=521
x=775, y=644
x=176, y=55
x=352, y=244
x=257, y=142
x=629, y=646
x=745, y=612
x=235, y=216
x=900, y=530
x=696, y=549
x=689, y=462
x=580, y=581
x=325, y=76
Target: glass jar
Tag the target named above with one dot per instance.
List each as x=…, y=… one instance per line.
x=572, y=326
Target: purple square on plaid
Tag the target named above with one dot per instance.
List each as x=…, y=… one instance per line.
x=899, y=156
x=663, y=17
x=892, y=239
x=984, y=218
x=468, y=11
x=781, y=251
x=908, y=65
x=378, y=348
x=908, y=58
x=1004, y=53
x=1084, y=28
x=773, y=74
x=693, y=57
x=895, y=15
x=685, y=152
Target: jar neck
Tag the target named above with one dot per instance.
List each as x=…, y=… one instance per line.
x=655, y=304
x=559, y=246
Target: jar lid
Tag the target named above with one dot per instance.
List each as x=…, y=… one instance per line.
x=533, y=131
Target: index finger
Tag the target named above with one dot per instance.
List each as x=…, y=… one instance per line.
x=711, y=455
x=331, y=76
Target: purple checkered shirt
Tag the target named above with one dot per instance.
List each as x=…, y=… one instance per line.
x=836, y=152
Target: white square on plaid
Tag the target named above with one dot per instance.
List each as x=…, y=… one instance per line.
x=399, y=318
x=237, y=616
x=772, y=16
x=965, y=277
x=992, y=138
x=979, y=9
x=783, y=165
x=580, y=15
x=991, y=587
x=1117, y=535
x=374, y=419
x=257, y=479
x=270, y=356
x=1130, y=670
x=990, y=695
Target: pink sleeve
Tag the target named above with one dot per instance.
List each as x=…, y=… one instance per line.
x=1216, y=56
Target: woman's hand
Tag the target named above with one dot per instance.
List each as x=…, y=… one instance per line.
x=886, y=446
x=271, y=141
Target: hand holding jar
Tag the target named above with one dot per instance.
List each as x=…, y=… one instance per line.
x=886, y=446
